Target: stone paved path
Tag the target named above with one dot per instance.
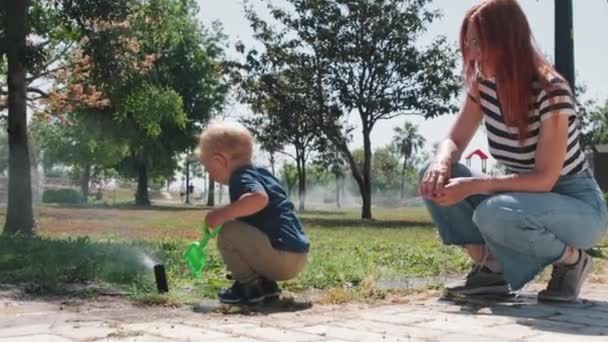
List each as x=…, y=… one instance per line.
x=426, y=318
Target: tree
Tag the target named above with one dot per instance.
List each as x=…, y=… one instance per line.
x=363, y=57
x=30, y=33
x=594, y=125
x=289, y=177
x=408, y=142
x=80, y=142
x=151, y=114
x=158, y=77
x=190, y=168
x=385, y=172
x=329, y=158
x=282, y=110
x=19, y=216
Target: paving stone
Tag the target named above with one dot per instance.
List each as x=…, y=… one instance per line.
x=174, y=331
x=36, y=338
x=142, y=338
x=349, y=334
x=397, y=318
x=232, y=338
x=24, y=330
x=390, y=329
x=477, y=327
x=429, y=319
x=458, y=337
x=557, y=324
x=268, y=333
x=84, y=331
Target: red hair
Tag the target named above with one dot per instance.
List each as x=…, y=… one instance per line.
x=506, y=41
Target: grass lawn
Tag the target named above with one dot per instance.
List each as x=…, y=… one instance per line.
x=349, y=258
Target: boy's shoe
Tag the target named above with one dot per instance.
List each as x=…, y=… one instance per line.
x=566, y=281
x=242, y=294
x=271, y=289
x=480, y=281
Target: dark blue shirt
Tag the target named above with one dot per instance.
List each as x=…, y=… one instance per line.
x=278, y=219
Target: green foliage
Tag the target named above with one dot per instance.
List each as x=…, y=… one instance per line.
x=288, y=177
x=385, y=171
x=594, y=124
x=148, y=109
x=62, y=196
x=346, y=251
x=49, y=264
x=408, y=141
x=159, y=73
x=358, y=56
x=78, y=141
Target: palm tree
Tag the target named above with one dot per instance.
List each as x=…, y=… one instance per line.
x=408, y=142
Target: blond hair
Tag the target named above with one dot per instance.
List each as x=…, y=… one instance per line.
x=226, y=137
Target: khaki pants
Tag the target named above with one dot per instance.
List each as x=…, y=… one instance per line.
x=249, y=255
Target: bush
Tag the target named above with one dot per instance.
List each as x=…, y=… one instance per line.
x=69, y=196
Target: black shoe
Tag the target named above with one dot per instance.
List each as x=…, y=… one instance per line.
x=242, y=294
x=480, y=281
x=271, y=289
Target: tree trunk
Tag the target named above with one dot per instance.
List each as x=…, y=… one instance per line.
x=211, y=193
x=338, y=190
x=219, y=194
x=354, y=168
x=20, y=215
x=403, y=177
x=142, y=197
x=301, y=166
x=85, y=179
x=272, y=163
x=366, y=194
x=187, y=181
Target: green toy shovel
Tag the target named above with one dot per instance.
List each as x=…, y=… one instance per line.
x=195, y=255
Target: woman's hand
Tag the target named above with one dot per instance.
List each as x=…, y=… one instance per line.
x=435, y=178
x=457, y=189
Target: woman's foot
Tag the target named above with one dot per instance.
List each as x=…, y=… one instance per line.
x=566, y=281
x=480, y=281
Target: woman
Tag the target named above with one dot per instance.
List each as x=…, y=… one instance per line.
x=548, y=209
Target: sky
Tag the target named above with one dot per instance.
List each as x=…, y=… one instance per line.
x=591, y=52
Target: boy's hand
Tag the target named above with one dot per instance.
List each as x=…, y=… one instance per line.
x=216, y=218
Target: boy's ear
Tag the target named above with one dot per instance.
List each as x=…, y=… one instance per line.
x=221, y=159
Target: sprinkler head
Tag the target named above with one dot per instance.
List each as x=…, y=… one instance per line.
x=161, y=278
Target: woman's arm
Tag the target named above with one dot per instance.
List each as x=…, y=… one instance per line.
x=450, y=149
x=550, y=155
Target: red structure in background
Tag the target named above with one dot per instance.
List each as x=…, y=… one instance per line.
x=481, y=155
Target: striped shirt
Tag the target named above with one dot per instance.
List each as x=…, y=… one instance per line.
x=504, y=141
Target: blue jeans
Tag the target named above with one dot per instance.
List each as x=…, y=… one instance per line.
x=526, y=231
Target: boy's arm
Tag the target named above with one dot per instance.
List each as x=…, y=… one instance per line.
x=248, y=204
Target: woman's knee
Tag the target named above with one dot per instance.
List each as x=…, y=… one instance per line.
x=496, y=213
